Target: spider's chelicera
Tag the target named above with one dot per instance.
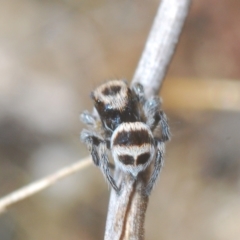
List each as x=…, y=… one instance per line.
x=133, y=128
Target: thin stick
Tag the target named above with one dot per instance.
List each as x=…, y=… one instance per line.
x=126, y=212
x=161, y=45
x=43, y=183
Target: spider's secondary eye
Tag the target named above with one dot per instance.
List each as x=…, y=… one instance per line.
x=126, y=159
x=113, y=90
x=98, y=101
x=143, y=158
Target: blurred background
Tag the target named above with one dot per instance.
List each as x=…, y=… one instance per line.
x=54, y=52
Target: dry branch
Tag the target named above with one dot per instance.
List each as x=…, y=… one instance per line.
x=161, y=44
x=41, y=184
x=126, y=212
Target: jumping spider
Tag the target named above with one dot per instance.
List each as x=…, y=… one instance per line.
x=134, y=129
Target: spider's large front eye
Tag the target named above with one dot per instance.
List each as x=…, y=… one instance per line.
x=111, y=91
x=143, y=158
x=126, y=159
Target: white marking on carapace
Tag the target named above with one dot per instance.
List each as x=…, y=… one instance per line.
x=118, y=101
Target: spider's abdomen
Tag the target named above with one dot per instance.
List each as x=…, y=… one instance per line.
x=132, y=146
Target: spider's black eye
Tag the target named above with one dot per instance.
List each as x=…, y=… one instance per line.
x=126, y=159
x=143, y=158
x=98, y=101
x=111, y=91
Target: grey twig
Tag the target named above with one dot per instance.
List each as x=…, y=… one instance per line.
x=161, y=44
x=41, y=184
x=126, y=213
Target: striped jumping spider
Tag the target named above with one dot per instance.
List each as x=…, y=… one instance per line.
x=129, y=125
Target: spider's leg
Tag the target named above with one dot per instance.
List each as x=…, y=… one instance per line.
x=138, y=89
x=104, y=165
x=157, y=168
x=92, y=141
x=98, y=150
x=156, y=117
x=151, y=109
x=89, y=119
x=165, y=127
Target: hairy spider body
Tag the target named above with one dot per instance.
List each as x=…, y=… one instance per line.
x=115, y=104
x=134, y=129
x=132, y=146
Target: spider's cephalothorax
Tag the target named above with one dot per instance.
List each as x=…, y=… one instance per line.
x=133, y=128
x=115, y=103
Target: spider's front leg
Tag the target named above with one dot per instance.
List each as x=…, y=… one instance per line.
x=138, y=90
x=156, y=169
x=164, y=126
x=156, y=117
x=92, y=141
x=89, y=119
x=98, y=149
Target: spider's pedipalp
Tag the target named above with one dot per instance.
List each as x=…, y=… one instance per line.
x=88, y=118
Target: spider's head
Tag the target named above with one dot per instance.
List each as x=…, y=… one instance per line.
x=111, y=95
x=132, y=146
x=115, y=103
